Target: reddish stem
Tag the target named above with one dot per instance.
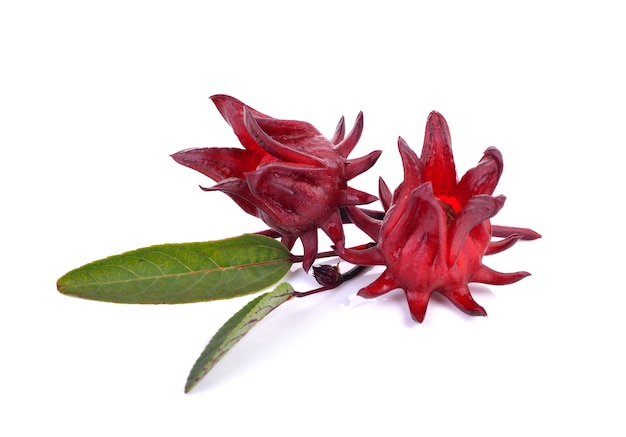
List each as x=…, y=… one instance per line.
x=350, y=274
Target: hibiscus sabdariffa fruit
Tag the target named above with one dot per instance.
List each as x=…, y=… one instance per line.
x=288, y=174
x=436, y=229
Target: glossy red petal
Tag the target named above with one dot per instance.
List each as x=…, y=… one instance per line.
x=437, y=156
x=477, y=210
x=218, y=163
x=232, y=111
x=298, y=197
x=294, y=184
x=419, y=234
x=483, y=178
x=298, y=136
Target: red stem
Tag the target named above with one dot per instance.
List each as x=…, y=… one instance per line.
x=350, y=274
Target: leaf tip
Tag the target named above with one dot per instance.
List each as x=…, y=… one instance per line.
x=60, y=284
x=189, y=386
x=235, y=329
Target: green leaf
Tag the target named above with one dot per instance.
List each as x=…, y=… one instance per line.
x=235, y=328
x=182, y=273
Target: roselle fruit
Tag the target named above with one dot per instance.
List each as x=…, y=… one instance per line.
x=287, y=174
x=436, y=229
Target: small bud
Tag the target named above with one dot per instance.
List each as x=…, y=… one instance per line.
x=327, y=276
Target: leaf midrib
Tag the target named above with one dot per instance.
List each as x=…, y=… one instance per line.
x=182, y=274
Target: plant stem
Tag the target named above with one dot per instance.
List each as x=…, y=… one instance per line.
x=350, y=274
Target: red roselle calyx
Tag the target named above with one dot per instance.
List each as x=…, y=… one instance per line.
x=436, y=228
x=288, y=173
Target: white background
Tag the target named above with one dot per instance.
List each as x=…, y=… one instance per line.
x=95, y=96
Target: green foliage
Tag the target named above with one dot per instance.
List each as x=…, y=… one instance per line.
x=182, y=273
x=235, y=328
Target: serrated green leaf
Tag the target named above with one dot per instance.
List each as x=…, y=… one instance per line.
x=235, y=328
x=182, y=273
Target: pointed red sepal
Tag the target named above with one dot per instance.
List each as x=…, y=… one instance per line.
x=383, y=284
x=363, y=257
x=486, y=275
x=351, y=196
x=237, y=190
x=355, y=167
x=418, y=303
x=413, y=168
x=288, y=241
x=364, y=222
x=347, y=144
x=505, y=231
x=501, y=245
x=463, y=300
x=309, y=244
x=333, y=227
x=340, y=131
x=384, y=193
